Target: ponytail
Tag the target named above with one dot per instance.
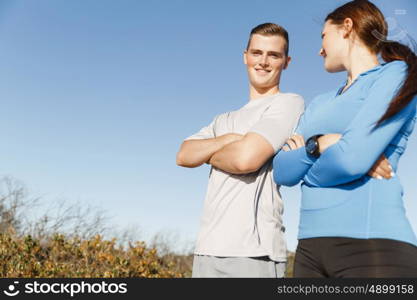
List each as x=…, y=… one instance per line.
x=391, y=51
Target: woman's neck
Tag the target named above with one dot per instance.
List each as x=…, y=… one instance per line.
x=360, y=60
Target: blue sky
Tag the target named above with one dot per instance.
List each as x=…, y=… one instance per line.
x=98, y=95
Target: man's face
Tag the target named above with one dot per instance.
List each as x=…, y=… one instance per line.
x=265, y=59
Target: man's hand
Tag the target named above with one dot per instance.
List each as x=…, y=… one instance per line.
x=381, y=169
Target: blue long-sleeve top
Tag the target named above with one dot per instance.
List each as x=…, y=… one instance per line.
x=338, y=197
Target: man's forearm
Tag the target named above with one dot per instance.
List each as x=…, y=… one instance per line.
x=194, y=153
x=228, y=160
x=244, y=156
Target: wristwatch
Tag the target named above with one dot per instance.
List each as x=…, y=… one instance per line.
x=312, y=145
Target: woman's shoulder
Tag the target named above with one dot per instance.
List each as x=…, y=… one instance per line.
x=396, y=67
x=391, y=75
x=323, y=97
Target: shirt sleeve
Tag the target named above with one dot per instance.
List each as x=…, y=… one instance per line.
x=279, y=120
x=361, y=143
x=290, y=167
x=206, y=132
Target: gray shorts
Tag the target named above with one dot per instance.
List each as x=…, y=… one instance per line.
x=216, y=266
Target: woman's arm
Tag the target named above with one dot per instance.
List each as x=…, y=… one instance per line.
x=361, y=145
x=381, y=169
x=289, y=167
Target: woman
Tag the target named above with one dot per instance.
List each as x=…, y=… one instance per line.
x=352, y=224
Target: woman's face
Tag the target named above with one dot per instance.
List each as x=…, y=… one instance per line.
x=334, y=47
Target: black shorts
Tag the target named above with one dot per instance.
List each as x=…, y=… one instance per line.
x=348, y=257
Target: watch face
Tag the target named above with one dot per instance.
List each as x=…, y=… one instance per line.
x=311, y=146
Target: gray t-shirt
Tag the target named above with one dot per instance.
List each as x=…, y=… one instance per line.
x=242, y=214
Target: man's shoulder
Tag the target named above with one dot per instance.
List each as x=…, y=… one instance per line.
x=291, y=99
x=289, y=96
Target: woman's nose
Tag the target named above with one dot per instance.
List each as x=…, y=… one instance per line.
x=321, y=52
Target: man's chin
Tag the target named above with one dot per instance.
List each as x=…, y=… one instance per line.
x=261, y=82
x=263, y=86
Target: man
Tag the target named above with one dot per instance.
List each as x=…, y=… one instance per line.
x=241, y=233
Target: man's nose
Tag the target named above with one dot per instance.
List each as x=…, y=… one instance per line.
x=321, y=52
x=264, y=60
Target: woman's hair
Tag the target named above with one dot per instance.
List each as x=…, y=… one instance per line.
x=370, y=25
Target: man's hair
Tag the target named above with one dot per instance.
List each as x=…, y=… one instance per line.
x=269, y=29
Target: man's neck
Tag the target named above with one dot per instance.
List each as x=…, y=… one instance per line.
x=256, y=93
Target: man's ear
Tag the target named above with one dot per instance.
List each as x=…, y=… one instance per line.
x=245, y=59
x=287, y=62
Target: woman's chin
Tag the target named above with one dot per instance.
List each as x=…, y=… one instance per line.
x=333, y=69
